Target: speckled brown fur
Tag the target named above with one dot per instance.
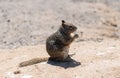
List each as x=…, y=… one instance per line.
x=57, y=44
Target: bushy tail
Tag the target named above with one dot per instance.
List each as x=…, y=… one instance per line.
x=33, y=61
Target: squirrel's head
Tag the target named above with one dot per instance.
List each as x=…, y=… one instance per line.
x=68, y=27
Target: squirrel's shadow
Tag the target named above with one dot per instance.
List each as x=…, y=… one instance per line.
x=72, y=63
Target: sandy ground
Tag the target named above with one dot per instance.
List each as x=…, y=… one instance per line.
x=25, y=25
x=98, y=60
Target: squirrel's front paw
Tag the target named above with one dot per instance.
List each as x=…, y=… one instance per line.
x=76, y=36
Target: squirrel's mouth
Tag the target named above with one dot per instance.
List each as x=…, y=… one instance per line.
x=74, y=29
x=73, y=33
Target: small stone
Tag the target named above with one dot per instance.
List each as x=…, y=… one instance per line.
x=17, y=72
x=8, y=21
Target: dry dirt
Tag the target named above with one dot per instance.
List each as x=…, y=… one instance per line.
x=25, y=25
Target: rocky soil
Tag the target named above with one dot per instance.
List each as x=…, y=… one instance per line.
x=25, y=25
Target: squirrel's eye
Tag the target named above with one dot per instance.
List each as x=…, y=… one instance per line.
x=71, y=27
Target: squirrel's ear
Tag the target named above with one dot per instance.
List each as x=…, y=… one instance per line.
x=63, y=21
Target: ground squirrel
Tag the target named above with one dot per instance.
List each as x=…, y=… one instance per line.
x=57, y=45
